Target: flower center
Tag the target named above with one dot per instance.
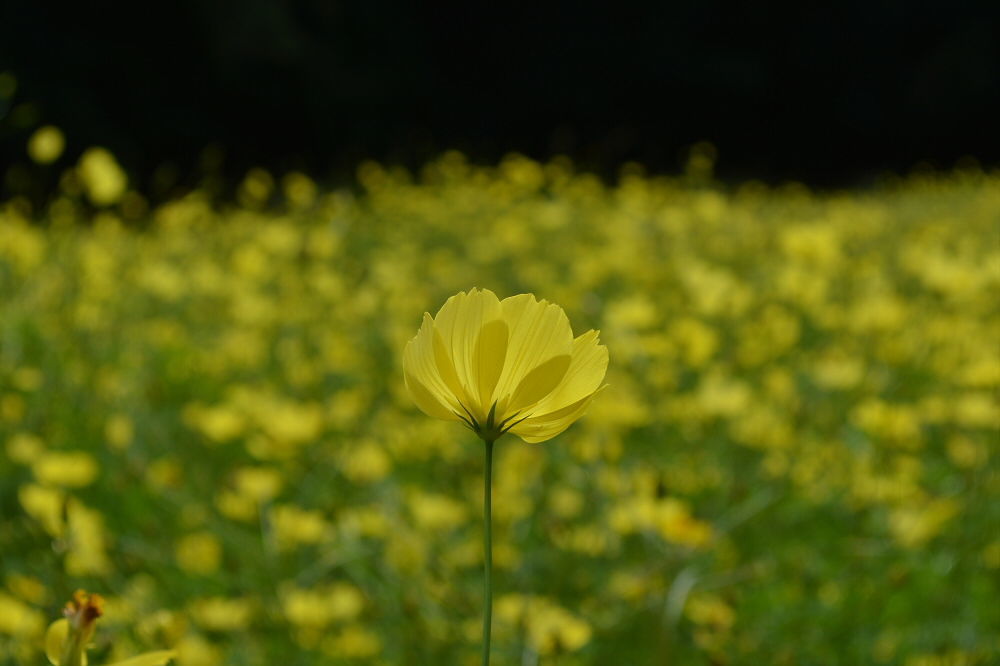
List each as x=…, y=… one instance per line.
x=490, y=430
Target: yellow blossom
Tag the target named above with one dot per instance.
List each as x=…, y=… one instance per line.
x=236, y=506
x=353, y=641
x=366, y=463
x=119, y=431
x=293, y=525
x=25, y=448
x=12, y=407
x=66, y=640
x=68, y=469
x=18, y=618
x=46, y=505
x=915, y=524
x=708, y=609
x=436, y=512
x=46, y=144
x=87, y=541
x=28, y=379
x=259, y=483
x=102, y=177
x=318, y=607
x=219, y=423
x=566, y=502
x=551, y=628
x=503, y=366
x=222, y=614
x=199, y=553
x=28, y=588
x=195, y=650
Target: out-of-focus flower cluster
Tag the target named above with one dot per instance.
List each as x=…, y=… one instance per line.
x=202, y=414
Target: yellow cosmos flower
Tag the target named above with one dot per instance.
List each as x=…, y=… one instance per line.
x=504, y=366
x=67, y=639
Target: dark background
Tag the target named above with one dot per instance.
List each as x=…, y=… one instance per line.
x=832, y=95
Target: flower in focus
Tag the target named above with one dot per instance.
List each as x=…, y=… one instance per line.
x=67, y=639
x=504, y=366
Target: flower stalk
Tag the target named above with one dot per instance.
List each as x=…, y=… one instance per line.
x=488, y=551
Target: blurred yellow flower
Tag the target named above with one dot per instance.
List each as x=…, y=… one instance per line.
x=87, y=553
x=46, y=505
x=967, y=453
x=709, y=609
x=353, y=641
x=68, y=469
x=236, y=506
x=66, y=640
x=12, y=408
x=28, y=588
x=503, y=366
x=290, y=422
x=435, y=512
x=551, y=629
x=222, y=614
x=318, y=607
x=18, y=618
x=46, y=144
x=28, y=379
x=674, y=521
x=25, y=448
x=103, y=178
x=195, y=650
x=199, y=553
x=119, y=431
x=916, y=523
x=366, y=463
x=293, y=526
x=219, y=423
x=299, y=189
x=255, y=188
x=566, y=502
x=259, y=483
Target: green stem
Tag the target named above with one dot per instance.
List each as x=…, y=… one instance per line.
x=488, y=547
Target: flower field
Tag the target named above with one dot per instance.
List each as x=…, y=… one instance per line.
x=203, y=419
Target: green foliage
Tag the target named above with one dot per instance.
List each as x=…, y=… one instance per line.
x=795, y=462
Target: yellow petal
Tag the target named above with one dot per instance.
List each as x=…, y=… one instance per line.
x=490, y=353
x=539, y=429
x=539, y=332
x=446, y=369
x=426, y=401
x=461, y=322
x=538, y=383
x=423, y=379
x=148, y=659
x=586, y=371
x=55, y=640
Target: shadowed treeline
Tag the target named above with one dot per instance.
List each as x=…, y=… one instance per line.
x=828, y=95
